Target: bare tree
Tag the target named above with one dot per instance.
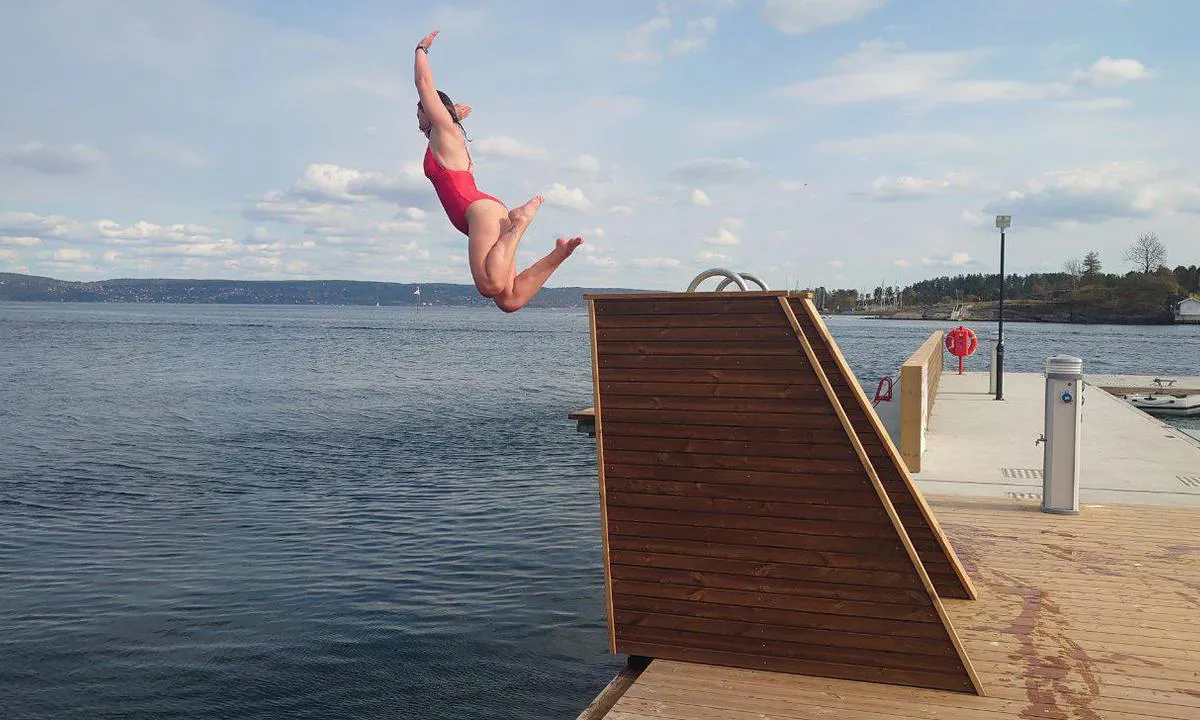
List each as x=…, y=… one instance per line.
x=1074, y=268
x=1146, y=253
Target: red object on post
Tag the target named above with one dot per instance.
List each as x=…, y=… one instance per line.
x=961, y=342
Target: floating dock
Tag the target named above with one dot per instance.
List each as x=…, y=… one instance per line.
x=768, y=554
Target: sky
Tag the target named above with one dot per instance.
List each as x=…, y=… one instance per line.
x=845, y=143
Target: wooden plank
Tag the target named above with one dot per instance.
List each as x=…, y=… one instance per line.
x=777, y=523
x=615, y=690
x=664, y=305
x=747, y=420
x=715, y=577
x=802, y=466
x=808, y=667
x=599, y=434
x=853, y=626
x=728, y=433
x=923, y=647
x=761, y=450
x=632, y=494
x=706, y=375
x=871, y=579
x=779, y=647
x=728, y=333
x=713, y=361
x=756, y=349
x=607, y=321
x=738, y=536
x=779, y=406
x=805, y=393
x=842, y=489
x=829, y=560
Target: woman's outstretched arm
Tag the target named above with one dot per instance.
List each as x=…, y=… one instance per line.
x=438, y=115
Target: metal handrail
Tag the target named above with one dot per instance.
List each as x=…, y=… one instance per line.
x=731, y=278
x=745, y=276
x=715, y=272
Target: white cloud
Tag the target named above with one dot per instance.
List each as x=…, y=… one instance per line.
x=9, y=254
x=908, y=187
x=587, y=165
x=328, y=183
x=699, y=32
x=836, y=263
x=899, y=143
x=1096, y=194
x=974, y=219
x=71, y=255
x=623, y=210
x=607, y=263
x=725, y=235
x=640, y=40
x=699, y=197
x=901, y=263
x=713, y=170
x=955, y=259
x=1097, y=104
x=707, y=256
x=1109, y=71
x=19, y=240
x=506, y=147
x=52, y=160
x=656, y=263
x=798, y=17
x=32, y=225
x=571, y=198
x=889, y=71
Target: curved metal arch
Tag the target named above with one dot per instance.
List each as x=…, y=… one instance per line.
x=731, y=277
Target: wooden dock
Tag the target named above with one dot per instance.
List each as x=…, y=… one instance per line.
x=742, y=477
x=1091, y=616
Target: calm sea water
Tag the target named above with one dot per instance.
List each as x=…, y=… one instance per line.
x=319, y=512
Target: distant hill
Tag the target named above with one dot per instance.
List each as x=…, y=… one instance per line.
x=31, y=288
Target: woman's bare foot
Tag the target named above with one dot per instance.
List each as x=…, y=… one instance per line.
x=521, y=217
x=566, y=247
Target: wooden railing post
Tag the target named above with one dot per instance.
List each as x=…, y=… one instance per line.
x=920, y=376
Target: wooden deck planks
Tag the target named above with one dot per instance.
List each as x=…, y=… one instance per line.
x=1092, y=617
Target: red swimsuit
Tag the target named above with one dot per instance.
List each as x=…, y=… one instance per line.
x=455, y=188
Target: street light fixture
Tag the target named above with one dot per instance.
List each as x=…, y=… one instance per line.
x=1003, y=222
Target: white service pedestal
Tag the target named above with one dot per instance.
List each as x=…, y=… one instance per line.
x=1060, y=465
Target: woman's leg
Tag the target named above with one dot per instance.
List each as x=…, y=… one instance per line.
x=493, y=237
x=527, y=284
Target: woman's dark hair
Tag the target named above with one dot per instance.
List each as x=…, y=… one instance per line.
x=453, y=113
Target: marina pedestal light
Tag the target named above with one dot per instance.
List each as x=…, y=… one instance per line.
x=1064, y=416
x=1002, y=222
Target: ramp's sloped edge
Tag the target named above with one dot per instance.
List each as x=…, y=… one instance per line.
x=949, y=577
x=743, y=522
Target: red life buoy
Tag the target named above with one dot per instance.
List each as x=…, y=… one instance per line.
x=961, y=342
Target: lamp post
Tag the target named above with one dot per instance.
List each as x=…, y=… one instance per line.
x=1002, y=222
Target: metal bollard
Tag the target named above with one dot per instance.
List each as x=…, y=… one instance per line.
x=1060, y=463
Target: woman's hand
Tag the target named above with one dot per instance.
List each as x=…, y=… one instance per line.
x=462, y=110
x=428, y=40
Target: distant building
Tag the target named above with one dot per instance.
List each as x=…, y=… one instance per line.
x=1188, y=311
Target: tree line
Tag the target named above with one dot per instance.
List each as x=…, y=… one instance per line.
x=1146, y=254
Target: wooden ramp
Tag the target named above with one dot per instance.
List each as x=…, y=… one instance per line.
x=755, y=513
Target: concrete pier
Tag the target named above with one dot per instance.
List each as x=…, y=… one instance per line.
x=980, y=447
